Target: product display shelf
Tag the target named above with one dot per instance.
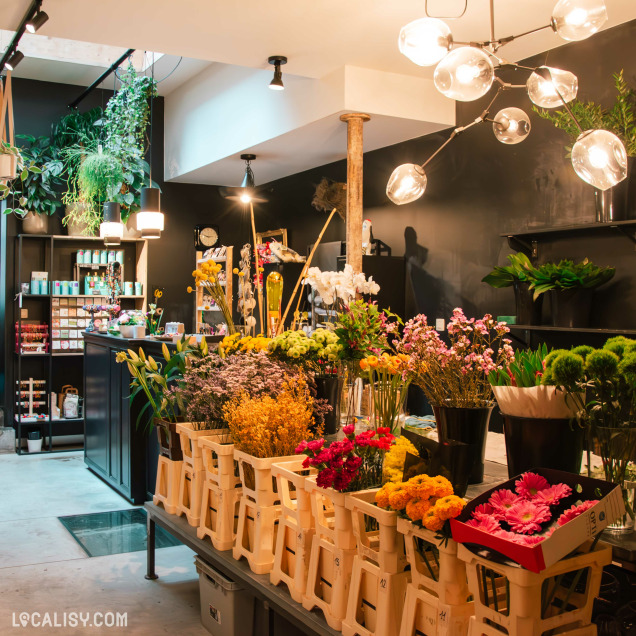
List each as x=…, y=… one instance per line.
x=199, y=305
x=55, y=255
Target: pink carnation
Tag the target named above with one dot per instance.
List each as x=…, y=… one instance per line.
x=526, y=517
x=325, y=478
x=552, y=495
x=530, y=484
x=485, y=524
x=501, y=500
x=575, y=511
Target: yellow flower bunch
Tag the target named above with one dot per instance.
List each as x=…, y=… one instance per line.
x=206, y=276
x=207, y=271
x=429, y=500
x=272, y=427
x=392, y=364
x=393, y=468
x=236, y=344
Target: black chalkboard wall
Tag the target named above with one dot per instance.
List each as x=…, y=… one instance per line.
x=477, y=189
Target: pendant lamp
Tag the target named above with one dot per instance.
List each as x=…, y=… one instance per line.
x=150, y=217
x=248, y=179
x=111, y=229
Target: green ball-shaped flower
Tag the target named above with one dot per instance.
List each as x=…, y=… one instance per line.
x=583, y=351
x=617, y=345
x=630, y=348
x=627, y=368
x=546, y=378
x=567, y=369
x=601, y=365
x=552, y=356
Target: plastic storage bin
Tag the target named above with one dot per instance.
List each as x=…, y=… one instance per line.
x=226, y=607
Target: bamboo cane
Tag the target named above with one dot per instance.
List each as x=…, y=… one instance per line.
x=302, y=275
x=258, y=273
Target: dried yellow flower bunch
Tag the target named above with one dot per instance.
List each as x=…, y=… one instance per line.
x=272, y=427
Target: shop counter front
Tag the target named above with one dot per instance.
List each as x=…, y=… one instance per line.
x=116, y=448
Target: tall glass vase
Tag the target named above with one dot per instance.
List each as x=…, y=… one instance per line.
x=617, y=447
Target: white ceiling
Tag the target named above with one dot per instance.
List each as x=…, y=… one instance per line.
x=318, y=37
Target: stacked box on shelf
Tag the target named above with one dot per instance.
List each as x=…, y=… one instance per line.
x=69, y=319
x=31, y=337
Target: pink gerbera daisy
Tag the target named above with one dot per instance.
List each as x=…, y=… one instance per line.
x=530, y=484
x=526, y=517
x=575, y=511
x=519, y=539
x=485, y=524
x=552, y=495
x=501, y=500
x=483, y=510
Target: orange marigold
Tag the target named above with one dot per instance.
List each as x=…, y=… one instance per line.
x=416, y=508
x=398, y=498
x=431, y=520
x=449, y=507
x=382, y=496
x=420, y=487
x=442, y=487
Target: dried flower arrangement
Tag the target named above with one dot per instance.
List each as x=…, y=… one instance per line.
x=272, y=425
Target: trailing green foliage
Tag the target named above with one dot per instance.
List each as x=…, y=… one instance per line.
x=525, y=371
x=569, y=275
x=620, y=119
x=520, y=269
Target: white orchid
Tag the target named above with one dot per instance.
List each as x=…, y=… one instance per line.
x=343, y=286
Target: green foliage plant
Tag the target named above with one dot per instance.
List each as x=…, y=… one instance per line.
x=570, y=275
x=619, y=119
x=520, y=269
x=526, y=370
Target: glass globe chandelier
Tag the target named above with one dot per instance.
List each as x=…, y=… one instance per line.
x=467, y=72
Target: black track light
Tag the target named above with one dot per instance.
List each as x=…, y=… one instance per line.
x=277, y=83
x=36, y=21
x=14, y=60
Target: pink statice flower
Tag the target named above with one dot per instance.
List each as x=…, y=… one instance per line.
x=501, y=500
x=526, y=518
x=552, y=495
x=575, y=511
x=530, y=484
x=485, y=524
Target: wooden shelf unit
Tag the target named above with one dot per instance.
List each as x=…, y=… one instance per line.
x=228, y=259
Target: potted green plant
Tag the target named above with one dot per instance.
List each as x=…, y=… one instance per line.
x=11, y=162
x=518, y=275
x=613, y=204
x=34, y=194
x=571, y=286
x=539, y=420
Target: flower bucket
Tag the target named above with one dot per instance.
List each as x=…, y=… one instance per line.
x=189, y=437
x=217, y=452
x=536, y=401
x=169, y=441
x=550, y=443
x=467, y=425
x=379, y=578
x=527, y=310
x=571, y=307
x=295, y=527
x=127, y=331
x=330, y=388
x=168, y=483
x=256, y=477
x=517, y=601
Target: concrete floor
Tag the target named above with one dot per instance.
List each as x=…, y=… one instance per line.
x=43, y=569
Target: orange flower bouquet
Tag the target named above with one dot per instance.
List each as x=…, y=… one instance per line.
x=389, y=379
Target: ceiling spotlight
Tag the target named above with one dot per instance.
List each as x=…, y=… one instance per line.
x=578, y=19
x=277, y=83
x=511, y=125
x=14, y=60
x=111, y=229
x=150, y=217
x=550, y=87
x=465, y=74
x=426, y=41
x=248, y=179
x=36, y=22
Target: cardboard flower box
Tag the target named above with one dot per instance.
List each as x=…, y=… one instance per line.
x=564, y=539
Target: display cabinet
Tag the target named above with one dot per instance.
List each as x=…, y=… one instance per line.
x=213, y=315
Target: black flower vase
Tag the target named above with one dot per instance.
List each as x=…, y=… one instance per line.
x=528, y=311
x=329, y=387
x=571, y=307
x=467, y=425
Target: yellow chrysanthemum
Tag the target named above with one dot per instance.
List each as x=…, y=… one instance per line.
x=449, y=507
x=431, y=520
x=393, y=467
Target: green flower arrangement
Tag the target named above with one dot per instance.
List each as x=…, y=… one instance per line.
x=520, y=270
x=569, y=275
x=526, y=370
x=319, y=351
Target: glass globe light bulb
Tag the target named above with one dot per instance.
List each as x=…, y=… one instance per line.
x=599, y=158
x=465, y=74
x=407, y=183
x=543, y=92
x=426, y=41
x=578, y=19
x=511, y=125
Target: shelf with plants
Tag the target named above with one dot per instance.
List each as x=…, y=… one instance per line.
x=200, y=305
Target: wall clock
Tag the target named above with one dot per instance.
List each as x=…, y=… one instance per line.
x=205, y=237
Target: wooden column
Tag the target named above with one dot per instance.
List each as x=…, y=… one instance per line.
x=355, y=122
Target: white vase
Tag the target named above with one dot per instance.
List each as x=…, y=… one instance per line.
x=127, y=331
x=139, y=331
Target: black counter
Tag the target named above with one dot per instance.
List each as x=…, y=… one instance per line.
x=116, y=449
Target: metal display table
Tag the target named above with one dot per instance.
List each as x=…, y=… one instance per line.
x=277, y=597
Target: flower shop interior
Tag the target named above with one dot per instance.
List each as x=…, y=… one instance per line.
x=318, y=318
